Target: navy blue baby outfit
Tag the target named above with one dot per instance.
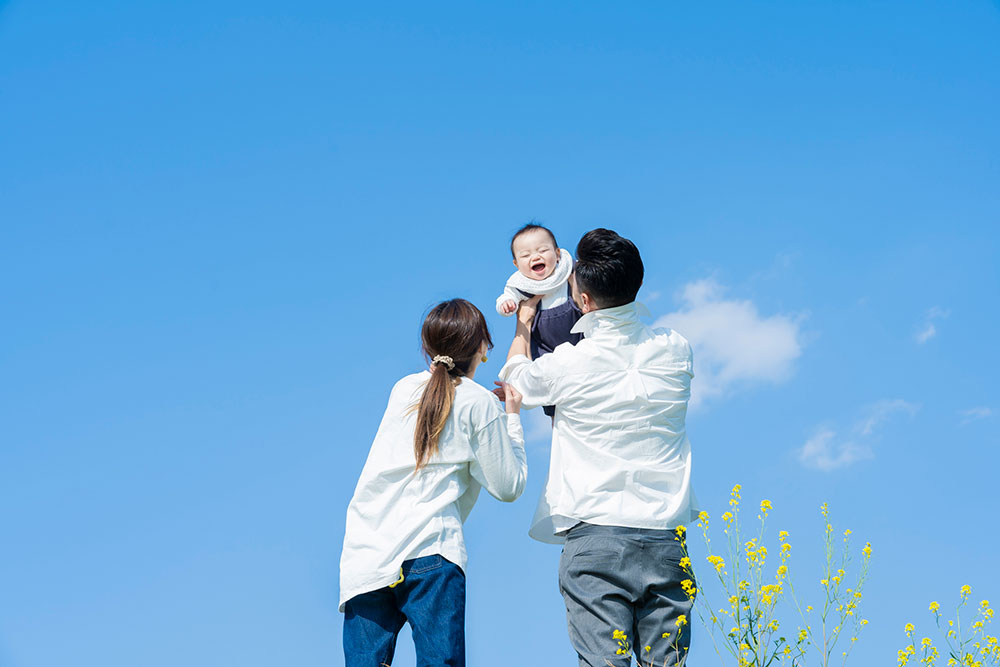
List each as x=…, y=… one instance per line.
x=551, y=328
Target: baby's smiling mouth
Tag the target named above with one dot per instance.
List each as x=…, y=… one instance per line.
x=538, y=267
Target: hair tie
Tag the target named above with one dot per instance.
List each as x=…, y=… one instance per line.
x=444, y=359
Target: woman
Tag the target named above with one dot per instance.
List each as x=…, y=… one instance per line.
x=442, y=438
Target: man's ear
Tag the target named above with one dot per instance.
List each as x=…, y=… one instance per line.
x=586, y=303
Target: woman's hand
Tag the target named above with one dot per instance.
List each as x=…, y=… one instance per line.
x=511, y=397
x=526, y=310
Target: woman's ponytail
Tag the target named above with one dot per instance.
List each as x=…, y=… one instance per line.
x=453, y=334
x=435, y=406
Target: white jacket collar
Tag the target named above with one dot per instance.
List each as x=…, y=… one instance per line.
x=610, y=318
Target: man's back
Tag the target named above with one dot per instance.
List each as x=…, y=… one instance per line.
x=620, y=454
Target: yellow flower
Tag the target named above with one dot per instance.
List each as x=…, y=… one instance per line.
x=782, y=570
x=728, y=516
x=647, y=648
x=717, y=562
x=864, y=621
x=802, y=635
x=765, y=505
x=618, y=634
x=782, y=535
x=966, y=591
x=909, y=628
x=934, y=607
x=926, y=641
x=681, y=620
x=868, y=549
x=809, y=608
x=665, y=635
x=847, y=532
x=703, y=516
x=786, y=547
x=685, y=562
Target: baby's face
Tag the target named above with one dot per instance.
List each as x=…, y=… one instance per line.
x=535, y=255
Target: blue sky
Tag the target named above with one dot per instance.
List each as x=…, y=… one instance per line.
x=222, y=223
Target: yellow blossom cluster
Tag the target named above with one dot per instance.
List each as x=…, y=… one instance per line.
x=968, y=644
x=624, y=648
x=749, y=624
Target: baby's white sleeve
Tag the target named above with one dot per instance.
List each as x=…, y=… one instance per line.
x=509, y=294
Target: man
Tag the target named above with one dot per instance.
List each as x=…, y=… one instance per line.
x=619, y=481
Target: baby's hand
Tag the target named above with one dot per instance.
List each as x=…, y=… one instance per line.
x=508, y=307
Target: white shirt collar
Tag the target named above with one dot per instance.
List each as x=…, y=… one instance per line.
x=629, y=313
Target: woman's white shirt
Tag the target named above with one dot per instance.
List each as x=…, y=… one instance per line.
x=397, y=514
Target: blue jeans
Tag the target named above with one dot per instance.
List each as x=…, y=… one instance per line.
x=628, y=579
x=431, y=597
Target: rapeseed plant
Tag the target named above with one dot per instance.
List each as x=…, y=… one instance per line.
x=747, y=631
x=967, y=645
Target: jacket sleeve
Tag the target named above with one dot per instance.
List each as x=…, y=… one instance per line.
x=499, y=463
x=536, y=380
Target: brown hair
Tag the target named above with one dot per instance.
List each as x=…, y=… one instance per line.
x=455, y=329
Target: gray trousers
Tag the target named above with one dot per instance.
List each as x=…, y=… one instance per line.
x=628, y=579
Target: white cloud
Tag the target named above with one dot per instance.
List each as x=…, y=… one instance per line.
x=881, y=411
x=927, y=330
x=974, y=414
x=652, y=296
x=826, y=451
x=822, y=452
x=926, y=333
x=734, y=345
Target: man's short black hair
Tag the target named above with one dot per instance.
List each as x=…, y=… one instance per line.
x=530, y=227
x=608, y=268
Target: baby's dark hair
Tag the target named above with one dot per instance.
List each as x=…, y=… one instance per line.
x=530, y=227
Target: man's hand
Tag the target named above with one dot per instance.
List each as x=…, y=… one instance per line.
x=526, y=311
x=511, y=397
x=508, y=306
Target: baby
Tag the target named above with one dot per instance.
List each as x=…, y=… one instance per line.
x=542, y=268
